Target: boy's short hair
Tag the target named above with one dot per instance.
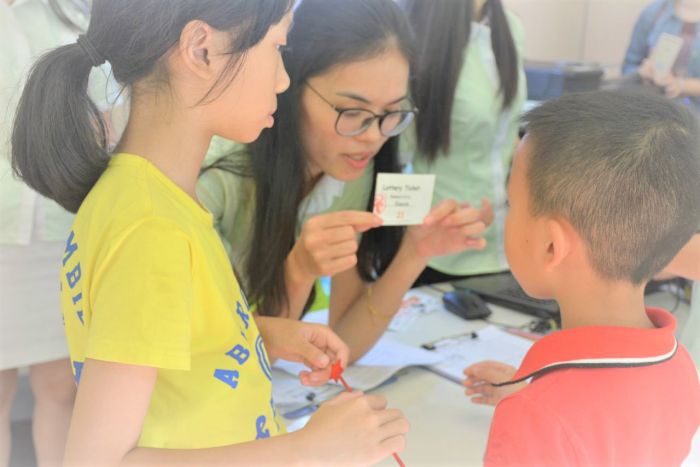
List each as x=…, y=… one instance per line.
x=624, y=169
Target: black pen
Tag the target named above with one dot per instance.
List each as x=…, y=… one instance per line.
x=433, y=345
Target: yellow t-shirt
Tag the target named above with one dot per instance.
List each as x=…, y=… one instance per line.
x=146, y=281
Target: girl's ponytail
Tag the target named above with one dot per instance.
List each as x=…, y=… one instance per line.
x=504, y=50
x=59, y=140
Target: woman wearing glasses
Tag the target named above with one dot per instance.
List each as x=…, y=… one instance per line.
x=292, y=205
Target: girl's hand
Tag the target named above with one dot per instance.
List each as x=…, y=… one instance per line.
x=314, y=345
x=450, y=228
x=354, y=429
x=328, y=244
x=480, y=376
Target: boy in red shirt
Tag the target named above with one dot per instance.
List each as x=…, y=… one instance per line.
x=604, y=191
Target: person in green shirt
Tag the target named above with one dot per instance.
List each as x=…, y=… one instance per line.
x=470, y=88
x=293, y=204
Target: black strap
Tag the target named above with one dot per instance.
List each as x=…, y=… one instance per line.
x=564, y=366
x=93, y=54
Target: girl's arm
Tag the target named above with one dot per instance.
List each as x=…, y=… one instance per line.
x=314, y=345
x=360, y=313
x=113, y=400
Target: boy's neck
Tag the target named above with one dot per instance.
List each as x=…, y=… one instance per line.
x=603, y=303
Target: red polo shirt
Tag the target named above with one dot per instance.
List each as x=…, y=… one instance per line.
x=601, y=396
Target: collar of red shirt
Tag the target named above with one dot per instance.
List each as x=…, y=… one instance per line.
x=601, y=347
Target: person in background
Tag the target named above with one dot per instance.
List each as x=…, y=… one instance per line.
x=679, y=18
x=470, y=88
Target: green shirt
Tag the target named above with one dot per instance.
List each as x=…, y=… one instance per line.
x=482, y=141
x=231, y=200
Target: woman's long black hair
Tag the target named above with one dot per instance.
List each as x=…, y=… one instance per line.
x=325, y=33
x=59, y=140
x=443, y=29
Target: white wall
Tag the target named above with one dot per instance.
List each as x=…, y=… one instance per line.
x=590, y=30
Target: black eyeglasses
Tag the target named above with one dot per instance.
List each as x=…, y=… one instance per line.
x=352, y=122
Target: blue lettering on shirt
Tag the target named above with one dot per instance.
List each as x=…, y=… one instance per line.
x=78, y=367
x=262, y=358
x=77, y=298
x=230, y=377
x=80, y=316
x=262, y=432
x=73, y=276
x=239, y=353
x=71, y=248
x=244, y=316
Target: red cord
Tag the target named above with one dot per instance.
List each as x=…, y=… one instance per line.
x=336, y=375
x=345, y=384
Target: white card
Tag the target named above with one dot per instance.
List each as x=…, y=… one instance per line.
x=665, y=53
x=403, y=199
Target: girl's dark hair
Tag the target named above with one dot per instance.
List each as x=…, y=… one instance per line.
x=443, y=29
x=325, y=33
x=59, y=141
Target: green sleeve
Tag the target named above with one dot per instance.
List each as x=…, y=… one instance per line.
x=213, y=191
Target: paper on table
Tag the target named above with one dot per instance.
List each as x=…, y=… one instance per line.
x=492, y=343
x=288, y=391
x=415, y=303
x=379, y=364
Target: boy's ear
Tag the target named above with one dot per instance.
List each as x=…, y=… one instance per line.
x=195, y=48
x=559, y=238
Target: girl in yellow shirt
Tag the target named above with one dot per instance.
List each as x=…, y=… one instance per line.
x=171, y=364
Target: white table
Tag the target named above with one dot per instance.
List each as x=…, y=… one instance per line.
x=446, y=428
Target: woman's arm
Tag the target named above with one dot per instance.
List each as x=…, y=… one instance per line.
x=351, y=317
x=360, y=313
x=327, y=245
x=637, y=49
